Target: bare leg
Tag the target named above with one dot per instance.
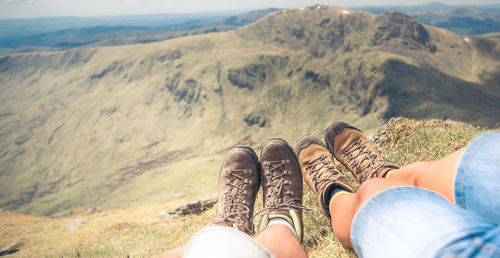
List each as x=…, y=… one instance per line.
x=278, y=239
x=281, y=241
x=436, y=175
x=343, y=207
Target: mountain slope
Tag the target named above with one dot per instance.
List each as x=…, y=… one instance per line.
x=139, y=231
x=119, y=126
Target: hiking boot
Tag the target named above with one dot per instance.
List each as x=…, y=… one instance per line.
x=239, y=182
x=319, y=171
x=281, y=185
x=351, y=147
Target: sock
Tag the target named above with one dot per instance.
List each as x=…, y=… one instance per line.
x=389, y=173
x=340, y=192
x=275, y=221
x=334, y=190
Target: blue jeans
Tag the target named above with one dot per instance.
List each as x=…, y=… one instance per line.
x=414, y=222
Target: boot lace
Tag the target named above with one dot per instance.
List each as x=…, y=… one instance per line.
x=235, y=209
x=321, y=166
x=369, y=163
x=278, y=195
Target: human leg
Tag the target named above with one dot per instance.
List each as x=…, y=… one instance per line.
x=280, y=227
x=281, y=241
x=352, y=148
x=239, y=181
x=436, y=175
x=345, y=206
x=406, y=221
x=282, y=188
x=273, y=241
x=467, y=176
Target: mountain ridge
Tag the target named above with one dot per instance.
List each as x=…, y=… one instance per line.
x=126, y=125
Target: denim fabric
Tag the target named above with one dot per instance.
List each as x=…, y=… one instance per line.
x=477, y=183
x=218, y=241
x=414, y=222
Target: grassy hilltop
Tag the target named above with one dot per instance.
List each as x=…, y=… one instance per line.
x=139, y=231
x=119, y=126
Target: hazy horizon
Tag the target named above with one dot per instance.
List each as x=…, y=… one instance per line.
x=26, y=9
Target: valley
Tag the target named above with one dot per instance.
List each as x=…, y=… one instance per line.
x=120, y=126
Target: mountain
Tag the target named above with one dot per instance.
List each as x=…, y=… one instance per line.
x=15, y=35
x=465, y=19
x=120, y=126
x=433, y=6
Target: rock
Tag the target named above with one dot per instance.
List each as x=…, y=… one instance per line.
x=163, y=214
x=75, y=224
x=92, y=210
x=12, y=248
x=254, y=119
x=375, y=137
x=210, y=201
x=195, y=207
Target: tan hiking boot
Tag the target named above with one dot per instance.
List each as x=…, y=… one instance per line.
x=351, y=147
x=319, y=171
x=281, y=185
x=239, y=182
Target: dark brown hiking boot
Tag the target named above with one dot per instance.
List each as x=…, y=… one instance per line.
x=351, y=147
x=319, y=171
x=239, y=182
x=281, y=185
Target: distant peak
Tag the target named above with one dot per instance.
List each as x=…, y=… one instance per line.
x=437, y=3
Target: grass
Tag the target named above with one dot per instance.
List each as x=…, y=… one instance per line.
x=139, y=231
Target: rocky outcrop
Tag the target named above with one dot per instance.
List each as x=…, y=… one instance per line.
x=402, y=30
x=254, y=119
x=195, y=207
x=12, y=248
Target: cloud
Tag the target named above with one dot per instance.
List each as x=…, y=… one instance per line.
x=18, y=1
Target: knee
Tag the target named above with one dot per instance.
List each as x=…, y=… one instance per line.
x=421, y=171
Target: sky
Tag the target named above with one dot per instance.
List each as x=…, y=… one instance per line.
x=13, y=9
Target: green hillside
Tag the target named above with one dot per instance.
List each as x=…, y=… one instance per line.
x=120, y=126
x=140, y=232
